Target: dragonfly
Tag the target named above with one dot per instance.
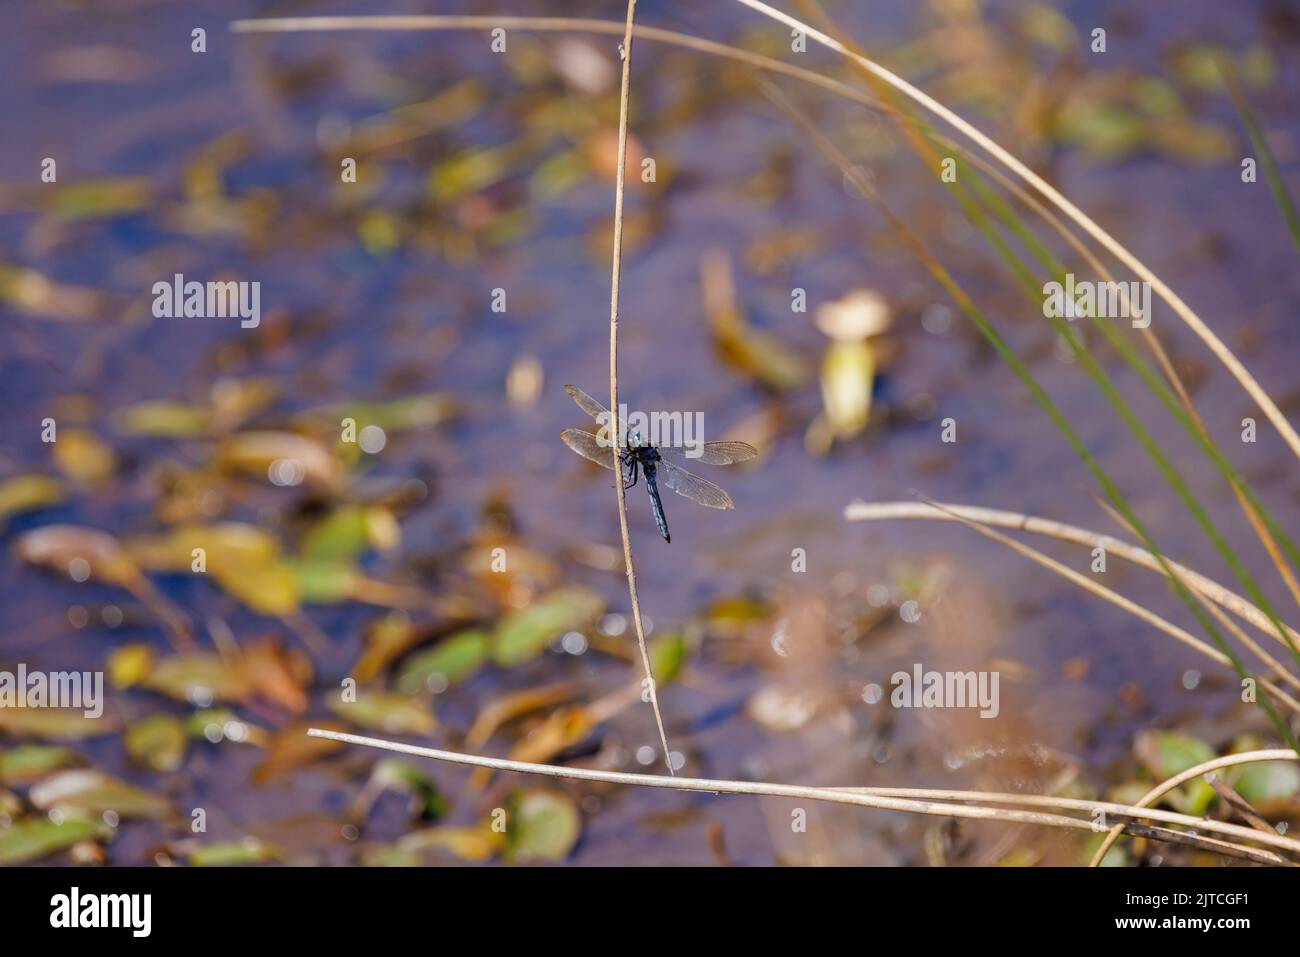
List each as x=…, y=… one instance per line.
x=639, y=456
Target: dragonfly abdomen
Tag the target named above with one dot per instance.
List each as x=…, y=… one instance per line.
x=656, y=504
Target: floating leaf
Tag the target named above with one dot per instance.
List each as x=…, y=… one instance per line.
x=256, y=452
x=525, y=633
x=130, y=664
x=454, y=658
x=31, y=762
x=88, y=793
x=510, y=706
x=164, y=418
x=1268, y=782
x=755, y=353
x=1048, y=27
x=200, y=678
x=1167, y=753
x=390, y=855
x=860, y=315
x=291, y=747
x=278, y=675
x=667, y=656
x=157, y=742
x=26, y=493
x=269, y=588
x=475, y=844
x=386, y=639
x=53, y=724
x=406, y=777
x=57, y=546
x=561, y=729
x=84, y=457
x=413, y=412
x=1108, y=130
x=847, y=378
x=388, y=712
x=347, y=532
x=31, y=839
x=226, y=543
x=543, y=826
x=732, y=615
x=470, y=171
x=235, y=400
x=28, y=291
x=99, y=198
x=232, y=853
x=243, y=559
x=324, y=582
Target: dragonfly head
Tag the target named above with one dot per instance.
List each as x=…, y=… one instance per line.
x=634, y=440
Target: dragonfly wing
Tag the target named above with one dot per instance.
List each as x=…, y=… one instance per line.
x=722, y=453
x=588, y=404
x=589, y=447
x=693, y=487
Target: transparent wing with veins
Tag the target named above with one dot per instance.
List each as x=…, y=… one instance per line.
x=588, y=404
x=719, y=453
x=692, y=486
x=589, y=447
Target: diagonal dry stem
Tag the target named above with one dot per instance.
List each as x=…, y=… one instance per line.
x=1160, y=790
x=922, y=801
x=946, y=511
x=1101, y=591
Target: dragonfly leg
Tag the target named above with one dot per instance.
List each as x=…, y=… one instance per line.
x=631, y=464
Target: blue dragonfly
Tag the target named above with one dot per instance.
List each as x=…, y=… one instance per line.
x=639, y=456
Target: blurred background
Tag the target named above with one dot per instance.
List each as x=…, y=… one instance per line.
x=371, y=562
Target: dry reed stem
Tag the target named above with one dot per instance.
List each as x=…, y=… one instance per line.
x=548, y=25
x=1101, y=591
x=1160, y=790
x=877, y=511
x=616, y=271
x=874, y=798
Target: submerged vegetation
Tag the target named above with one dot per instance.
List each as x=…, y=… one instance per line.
x=336, y=526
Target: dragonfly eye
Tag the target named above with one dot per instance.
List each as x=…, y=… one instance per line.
x=635, y=438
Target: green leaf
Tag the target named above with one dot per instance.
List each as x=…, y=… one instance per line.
x=270, y=588
x=53, y=724
x=388, y=712
x=324, y=582
x=475, y=844
x=30, y=762
x=163, y=418
x=523, y=634
x=233, y=853
x=89, y=793
x=33, y=838
x=397, y=774
x=157, y=742
x=199, y=678
x=100, y=198
x=455, y=658
x=341, y=536
x=1268, y=781
x=667, y=656
x=1167, y=753
x=542, y=826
